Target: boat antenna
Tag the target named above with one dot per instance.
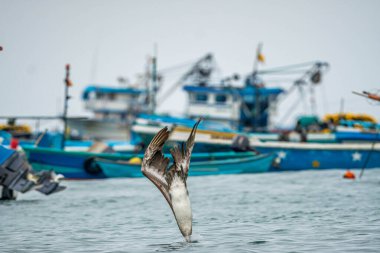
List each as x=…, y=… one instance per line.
x=94, y=67
x=154, y=86
x=258, y=58
x=68, y=84
x=341, y=110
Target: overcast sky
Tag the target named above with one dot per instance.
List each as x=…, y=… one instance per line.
x=103, y=40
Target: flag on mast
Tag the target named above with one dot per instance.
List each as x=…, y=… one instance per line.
x=260, y=55
x=68, y=82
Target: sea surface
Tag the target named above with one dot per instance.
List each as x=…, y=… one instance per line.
x=310, y=211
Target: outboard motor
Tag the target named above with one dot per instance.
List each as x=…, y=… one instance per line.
x=7, y=194
x=16, y=175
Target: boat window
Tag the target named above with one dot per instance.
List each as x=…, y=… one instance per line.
x=99, y=95
x=201, y=97
x=221, y=98
x=92, y=95
x=111, y=96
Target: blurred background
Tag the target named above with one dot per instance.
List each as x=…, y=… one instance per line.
x=105, y=40
x=112, y=44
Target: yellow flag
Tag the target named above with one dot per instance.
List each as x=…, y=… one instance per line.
x=260, y=57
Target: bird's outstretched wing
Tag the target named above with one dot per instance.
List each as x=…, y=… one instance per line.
x=182, y=157
x=154, y=163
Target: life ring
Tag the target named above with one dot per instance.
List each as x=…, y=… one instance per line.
x=240, y=143
x=91, y=167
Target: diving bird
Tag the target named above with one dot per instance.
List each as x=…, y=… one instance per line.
x=172, y=181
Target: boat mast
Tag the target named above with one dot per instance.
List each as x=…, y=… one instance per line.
x=154, y=86
x=66, y=105
x=258, y=58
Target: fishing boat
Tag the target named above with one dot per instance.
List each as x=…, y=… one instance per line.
x=348, y=148
x=84, y=165
x=54, y=140
x=115, y=108
x=229, y=107
x=16, y=130
x=305, y=156
x=71, y=164
x=251, y=164
x=216, y=137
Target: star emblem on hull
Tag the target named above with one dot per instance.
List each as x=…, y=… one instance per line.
x=356, y=156
x=281, y=155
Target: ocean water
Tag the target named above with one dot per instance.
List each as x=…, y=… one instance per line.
x=311, y=211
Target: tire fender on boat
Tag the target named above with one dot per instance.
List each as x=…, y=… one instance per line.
x=91, y=166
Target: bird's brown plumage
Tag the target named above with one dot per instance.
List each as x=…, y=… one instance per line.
x=154, y=165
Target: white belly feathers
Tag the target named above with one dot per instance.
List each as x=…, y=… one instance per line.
x=181, y=205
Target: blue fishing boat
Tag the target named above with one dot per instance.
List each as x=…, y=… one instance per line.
x=71, y=164
x=252, y=164
x=230, y=106
x=339, y=150
x=54, y=140
x=84, y=165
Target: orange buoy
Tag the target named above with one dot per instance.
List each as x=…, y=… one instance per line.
x=349, y=175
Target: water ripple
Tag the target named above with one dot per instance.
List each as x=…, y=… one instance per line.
x=314, y=211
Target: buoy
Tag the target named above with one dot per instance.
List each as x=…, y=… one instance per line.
x=135, y=160
x=349, y=175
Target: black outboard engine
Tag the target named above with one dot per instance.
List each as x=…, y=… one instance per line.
x=16, y=175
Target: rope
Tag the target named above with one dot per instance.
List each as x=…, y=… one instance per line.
x=369, y=154
x=288, y=67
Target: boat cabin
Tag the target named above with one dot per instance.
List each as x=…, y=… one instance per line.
x=114, y=102
x=246, y=108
